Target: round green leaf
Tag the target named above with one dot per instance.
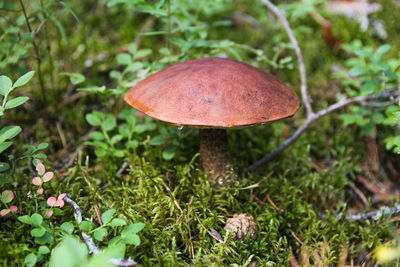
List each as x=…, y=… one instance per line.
x=106, y=216
x=93, y=120
x=37, y=219
x=25, y=219
x=132, y=229
x=7, y=196
x=96, y=135
x=132, y=239
x=67, y=227
x=43, y=250
x=85, y=226
x=159, y=140
x=109, y=123
x=117, y=222
x=38, y=232
x=30, y=260
x=99, y=234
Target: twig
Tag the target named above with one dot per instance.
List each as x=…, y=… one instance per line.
x=61, y=133
x=375, y=214
x=188, y=220
x=93, y=249
x=293, y=40
x=123, y=167
x=273, y=204
x=296, y=237
x=310, y=115
x=176, y=204
x=360, y=194
x=218, y=238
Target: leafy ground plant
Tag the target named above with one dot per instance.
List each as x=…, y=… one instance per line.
x=312, y=203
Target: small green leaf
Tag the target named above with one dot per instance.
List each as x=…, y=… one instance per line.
x=44, y=239
x=97, y=143
x=159, y=140
x=132, y=229
x=169, y=152
x=85, y=226
x=25, y=219
x=382, y=50
x=117, y=222
x=142, y=53
x=116, y=138
x=109, y=123
x=4, y=146
x=69, y=252
x=106, y=216
x=99, y=234
x=118, y=153
x=15, y=102
x=124, y=59
x=359, y=70
x=3, y=167
x=39, y=156
x=135, y=66
x=67, y=227
x=38, y=232
x=7, y=196
x=74, y=78
x=100, y=152
x=93, y=119
x=43, y=250
x=30, y=260
x=9, y=132
x=132, y=239
x=24, y=79
x=5, y=85
x=139, y=128
x=37, y=219
x=96, y=135
x=42, y=146
x=132, y=48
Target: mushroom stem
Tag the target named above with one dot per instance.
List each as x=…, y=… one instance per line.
x=215, y=152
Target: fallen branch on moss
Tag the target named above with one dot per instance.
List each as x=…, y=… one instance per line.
x=370, y=100
x=93, y=249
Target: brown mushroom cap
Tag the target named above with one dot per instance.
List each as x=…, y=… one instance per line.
x=213, y=92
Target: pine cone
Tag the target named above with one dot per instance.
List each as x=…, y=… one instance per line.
x=241, y=225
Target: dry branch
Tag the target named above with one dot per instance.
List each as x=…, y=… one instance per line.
x=370, y=100
x=93, y=249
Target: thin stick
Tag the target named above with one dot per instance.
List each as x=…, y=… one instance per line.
x=61, y=133
x=93, y=249
x=293, y=40
x=363, y=100
x=310, y=115
x=188, y=220
x=123, y=167
x=211, y=234
x=176, y=204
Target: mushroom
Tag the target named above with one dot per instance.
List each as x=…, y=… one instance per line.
x=213, y=94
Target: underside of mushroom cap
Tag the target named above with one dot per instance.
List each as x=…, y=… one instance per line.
x=213, y=92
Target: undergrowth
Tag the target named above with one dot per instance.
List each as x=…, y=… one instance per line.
x=77, y=125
